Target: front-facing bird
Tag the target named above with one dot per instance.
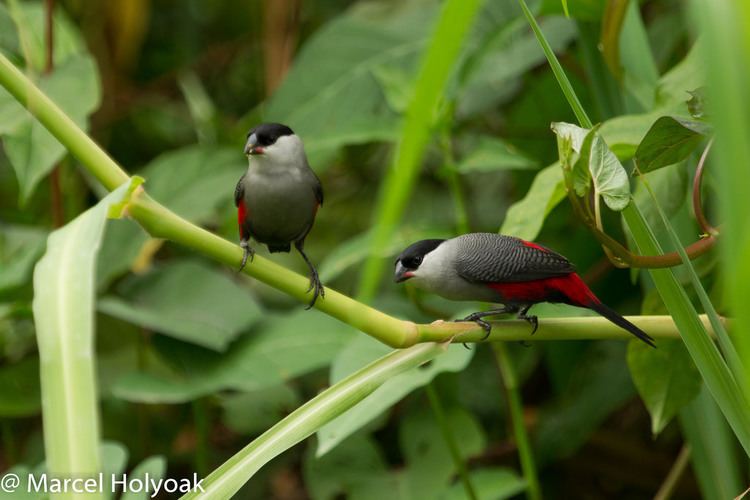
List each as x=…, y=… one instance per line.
x=501, y=269
x=278, y=197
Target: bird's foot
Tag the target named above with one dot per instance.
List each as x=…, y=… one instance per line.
x=532, y=320
x=477, y=318
x=317, y=287
x=248, y=252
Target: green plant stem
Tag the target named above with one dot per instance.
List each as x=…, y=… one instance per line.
x=515, y=410
x=450, y=441
x=453, y=179
x=455, y=19
x=303, y=422
x=666, y=490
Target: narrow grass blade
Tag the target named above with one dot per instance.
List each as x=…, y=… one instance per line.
x=64, y=291
x=726, y=26
x=306, y=420
x=455, y=19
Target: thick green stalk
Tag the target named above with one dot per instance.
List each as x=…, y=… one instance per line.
x=455, y=19
x=450, y=441
x=303, y=422
x=515, y=410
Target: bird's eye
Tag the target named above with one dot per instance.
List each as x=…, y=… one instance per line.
x=415, y=262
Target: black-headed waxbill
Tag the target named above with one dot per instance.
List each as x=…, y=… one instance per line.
x=504, y=270
x=278, y=197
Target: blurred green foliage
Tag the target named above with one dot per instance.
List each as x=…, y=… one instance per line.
x=169, y=89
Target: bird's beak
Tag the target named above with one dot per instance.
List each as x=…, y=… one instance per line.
x=251, y=146
x=402, y=274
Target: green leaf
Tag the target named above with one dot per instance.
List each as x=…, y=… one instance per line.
x=20, y=382
x=182, y=181
x=572, y=133
x=497, y=68
x=609, y=176
x=355, y=470
x=361, y=351
x=697, y=102
x=430, y=465
x=669, y=141
x=334, y=73
x=154, y=468
x=64, y=288
x=525, y=218
x=491, y=483
x=671, y=188
x=114, y=461
x=255, y=411
x=189, y=301
x=122, y=244
x=285, y=347
x=598, y=384
x=491, y=154
x=666, y=379
x=31, y=149
x=20, y=247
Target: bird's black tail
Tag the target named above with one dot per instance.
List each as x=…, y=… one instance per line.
x=618, y=320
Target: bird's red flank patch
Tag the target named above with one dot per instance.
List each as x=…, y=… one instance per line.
x=241, y=216
x=570, y=286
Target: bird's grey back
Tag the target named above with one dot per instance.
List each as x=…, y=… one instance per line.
x=493, y=258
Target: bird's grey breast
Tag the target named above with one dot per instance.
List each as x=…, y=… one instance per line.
x=280, y=203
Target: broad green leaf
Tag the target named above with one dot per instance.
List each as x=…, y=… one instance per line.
x=253, y=412
x=573, y=133
x=20, y=382
x=64, y=290
x=195, y=180
x=114, y=461
x=397, y=86
x=284, y=348
x=668, y=141
x=671, y=188
x=495, y=75
x=675, y=85
x=29, y=20
x=334, y=72
x=355, y=470
x=666, y=379
x=31, y=149
x=152, y=468
x=363, y=350
x=640, y=72
x=20, y=247
x=491, y=483
x=624, y=133
x=525, y=218
x=189, y=301
x=122, y=244
x=607, y=173
x=599, y=384
x=490, y=154
x=430, y=466
x=581, y=168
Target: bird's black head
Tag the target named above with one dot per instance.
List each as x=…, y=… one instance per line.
x=411, y=258
x=264, y=135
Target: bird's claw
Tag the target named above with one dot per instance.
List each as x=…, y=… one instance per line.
x=248, y=252
x=317, y=287
x=532, y=320
x=475, y=318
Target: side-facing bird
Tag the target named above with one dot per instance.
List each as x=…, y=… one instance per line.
x=504, y=270
x=278, y=196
